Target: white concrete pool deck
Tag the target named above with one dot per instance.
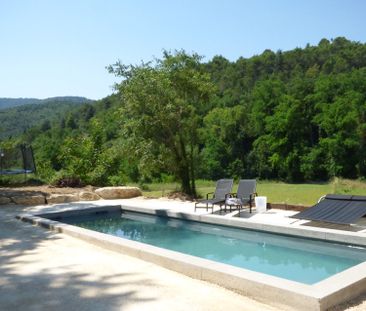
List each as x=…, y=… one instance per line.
x=43, y=270
x=275, y=217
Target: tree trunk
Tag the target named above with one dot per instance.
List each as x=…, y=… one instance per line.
x=185, y=170
x=193, y=187
x=186, y=185
x=192, y=172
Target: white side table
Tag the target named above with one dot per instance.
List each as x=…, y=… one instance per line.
x=260, y=204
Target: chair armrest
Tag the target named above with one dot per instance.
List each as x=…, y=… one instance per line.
x=208, y=194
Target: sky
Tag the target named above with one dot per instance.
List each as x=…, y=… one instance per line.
x=61, y=48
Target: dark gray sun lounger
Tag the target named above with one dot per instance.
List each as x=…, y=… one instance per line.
x=244, y=195
x=223, y=188
x=339, y=209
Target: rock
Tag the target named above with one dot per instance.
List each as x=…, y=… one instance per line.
x=88, y=196
x=118, y=192
x=29, y=200
x=61, y=198
x=4, y=200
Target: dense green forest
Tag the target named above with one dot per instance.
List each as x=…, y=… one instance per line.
x=21, y=114
x=13, y=102
x=296, y=115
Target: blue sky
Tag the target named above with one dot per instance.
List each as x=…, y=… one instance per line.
x=59, y=48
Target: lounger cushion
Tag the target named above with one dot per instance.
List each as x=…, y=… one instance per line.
x=234, y=201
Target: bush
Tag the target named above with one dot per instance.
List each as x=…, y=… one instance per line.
x=73, y=182
x=117, y=180
x=63, y=179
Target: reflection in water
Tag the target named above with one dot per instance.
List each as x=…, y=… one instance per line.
x=302, y=260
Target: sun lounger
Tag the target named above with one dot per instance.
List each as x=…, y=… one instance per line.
x=339, y=209
x=223, y=188
x=244, y=195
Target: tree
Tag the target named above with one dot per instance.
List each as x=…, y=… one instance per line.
x=226, y=143
x=162, y=104
x=292, y=115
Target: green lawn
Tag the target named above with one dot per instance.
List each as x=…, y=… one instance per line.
x=276, y=192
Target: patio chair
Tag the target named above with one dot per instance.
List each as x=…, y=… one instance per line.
x=244, y=195
x=223, y=188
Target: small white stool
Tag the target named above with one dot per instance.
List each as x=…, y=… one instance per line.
x=261, y=204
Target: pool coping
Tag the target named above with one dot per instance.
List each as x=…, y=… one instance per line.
x=268, y=289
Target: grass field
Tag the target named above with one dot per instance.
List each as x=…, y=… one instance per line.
x=276, y=192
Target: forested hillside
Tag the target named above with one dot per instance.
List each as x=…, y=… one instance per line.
x=13, y=102
x=34, y=112
x=296, y=115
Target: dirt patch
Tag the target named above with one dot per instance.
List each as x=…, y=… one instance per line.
x=176, y=195
x=287, y=207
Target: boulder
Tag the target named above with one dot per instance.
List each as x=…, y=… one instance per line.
x=4, y=200
x=29, y=199
x=118, y=192
x=56, y=198
x=88, y=196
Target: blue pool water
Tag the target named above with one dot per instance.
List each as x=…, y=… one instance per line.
x=302, y=260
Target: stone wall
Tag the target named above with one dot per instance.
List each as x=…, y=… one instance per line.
x=40, y=198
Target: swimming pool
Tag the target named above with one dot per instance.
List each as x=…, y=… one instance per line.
x=270, y=289
x=301, y=260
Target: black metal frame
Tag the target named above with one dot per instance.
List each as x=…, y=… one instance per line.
x=240, y=206
x=235, y=195
x=213, y=201
x=26, y=151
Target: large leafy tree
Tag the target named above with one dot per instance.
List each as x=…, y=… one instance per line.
x=162, y=106
x=293, y=115
x=225, y=137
